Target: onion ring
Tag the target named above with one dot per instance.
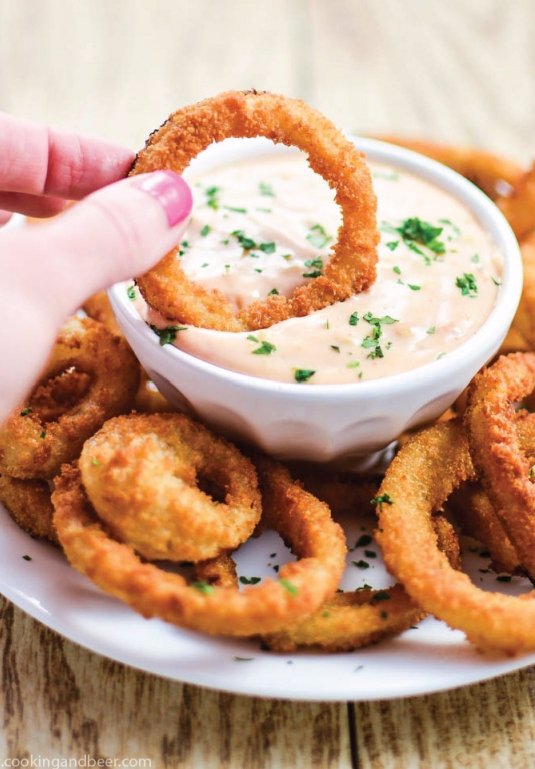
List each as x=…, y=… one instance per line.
x=419, y=480
x=32, y=448
x=98, y=307
x=486, y=170
x=524, y=320
x=303, y=585
x=351, y=266
x=141, y=473
x=519, y=206
x=29, y=504
x=496, y=450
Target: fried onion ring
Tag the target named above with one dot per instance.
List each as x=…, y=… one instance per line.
x=524, y=320
x=519, y=206
x=33, y=448
x=486, y=170
x=142, y=473
x=419, y=480
x=496, y=451
x=98, y=307
x=303, y=585
x=29, y=504
x=351, y=266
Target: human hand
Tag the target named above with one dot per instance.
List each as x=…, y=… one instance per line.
x=46, y=272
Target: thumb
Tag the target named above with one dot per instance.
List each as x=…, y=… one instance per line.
x=114, y=234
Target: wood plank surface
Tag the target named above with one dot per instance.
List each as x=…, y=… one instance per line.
x=460, y=71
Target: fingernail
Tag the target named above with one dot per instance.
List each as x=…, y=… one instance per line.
x=171, y=192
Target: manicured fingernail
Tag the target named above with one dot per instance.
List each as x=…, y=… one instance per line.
x=171, y=191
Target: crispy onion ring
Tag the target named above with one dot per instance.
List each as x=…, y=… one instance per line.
x=486, y=170
x=302, y=521
x=496, y=450
x=419, y=480
x=524, y=320
x=141, y=473
x=29, y=504
x=98, y=307
x=33, y=448
x=351, y=266
x=519, y=207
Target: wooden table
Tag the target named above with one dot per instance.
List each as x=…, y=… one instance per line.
x=459, y=71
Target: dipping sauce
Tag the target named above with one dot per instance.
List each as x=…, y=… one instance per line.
x=264, y=226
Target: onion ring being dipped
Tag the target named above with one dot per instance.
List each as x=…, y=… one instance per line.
x=419, y=480
x=303, y=585
x=486, y=170
x=504, y=467
x=351, y=266
x=33, y=448
x=142, y=473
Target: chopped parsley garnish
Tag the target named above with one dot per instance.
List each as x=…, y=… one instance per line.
x=205, y=230
x=26, y=411
x=382, y=499
x=183, y=246
x=95, y=462
x=475, y=259
x=268, y=248
x=335, y=347
x=431, y=330
x=370, y=554
x=414, y=287
x=392, y=244
x=415, y=233
x=318, y=236
x=371, y=342
x=246, y=243
x=303, y=374
x=27, y=557
x=496, y=281
x=273, y=292
x=131, y=292
x=203, y=587
x=266, y=190
x=289, y=586
x=397, y=270
x=287, y=257
x=243, y=659
x=249, y=580
x=353, y=319
x=467, y=284
x=266, y=348
x=364, y=540
x=503, y=578
x=212, y=200
x=317, y=268
x=326, y=613
x=236, y=209
x=361, y=564
x=167, y=335
x=43, y=434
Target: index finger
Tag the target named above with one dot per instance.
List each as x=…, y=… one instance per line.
x=39, y=160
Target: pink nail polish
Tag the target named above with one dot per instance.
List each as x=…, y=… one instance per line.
x=171, y=191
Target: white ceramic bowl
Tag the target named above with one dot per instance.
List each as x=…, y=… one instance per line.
x=326, y=423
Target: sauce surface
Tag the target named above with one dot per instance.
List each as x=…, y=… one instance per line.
x=267, y=225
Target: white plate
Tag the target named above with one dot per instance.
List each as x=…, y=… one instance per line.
x=426, y=659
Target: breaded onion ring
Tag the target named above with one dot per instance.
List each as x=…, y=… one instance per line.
x=29, y=504
x=351, y=266
x=524, y=320
x=303, y=522
x=33, y=448
x=504, y=467
x=98, y=307
x=419, y=480
x=486, y=170
x=143, y=472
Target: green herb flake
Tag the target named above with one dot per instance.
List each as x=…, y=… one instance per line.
x=371, y=341
x=431, y=330
x=414, y=287
x=273, y=292
x=245, y=242
x=266, y=348
x=467, y=284
x=361, y=564
x=205, y=230
x=353, y=364
x=212, y=199
x=316, y=266
x=382, y=499
x=370, y=554
x=27, y=557
x=266, y=190
x=26, y=412
x=249, y=580
x=95, y=462
x=268, y=248
x=288, y=586
x=415, y=230
x=396, y=269
x=335, y=347
x=326, y=614
x=303, y=374
x=167, y=335
x=236, y=209
x=243, y=659
x=43, y=434
x=353, y=319
x=318, y=236
x=203, y=587
x=363, y=540
x=131, y=292
x=392, y=244
x=503, y=578
x=496, y=281
x=475, y=259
